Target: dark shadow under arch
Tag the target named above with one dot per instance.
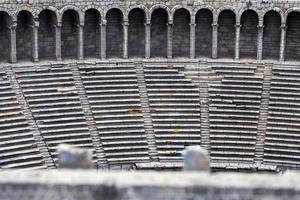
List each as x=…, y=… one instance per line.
x=292, y=51
x=203, y=33
x=69, y=34
x=5, y=21
x=24, y=35
x=136, y=33
x=159, y=20
x=226, y=34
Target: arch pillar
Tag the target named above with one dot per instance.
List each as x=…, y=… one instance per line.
x=283, y=28
x=215, y=40
x=58, y=41
x=35, y=46
x=260, y=34
x=13, y=42
x=125, y=39
x=147, y=39
x=192, y=39
x=170, y=39
x=237, y=41
x=103, y=40
x=80, y=42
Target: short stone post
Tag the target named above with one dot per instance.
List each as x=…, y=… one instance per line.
x=70, y=157
x=196, y=159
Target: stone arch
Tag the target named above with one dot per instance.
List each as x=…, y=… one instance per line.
x=142, y=7
x=205, y=7
x=203, y=32
x=136, y=33
x=114, y=33
x=5, y=22
x=32, y=12
x=163, y=7
x=159, y=20
x=46, y=36
x=91, y=33
x=226, y=33
x=275, y=9
x=289, y=11
x=74, y=9
x=272, y=35
x=69, y=33
x=292, y=49
x=24, y=35
x=248, y=36
x=228, y=8
x=181, y=33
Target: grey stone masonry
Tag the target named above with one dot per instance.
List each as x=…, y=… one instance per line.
x=92, y=185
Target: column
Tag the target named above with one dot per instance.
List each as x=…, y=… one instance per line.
x=282, y=42
x=147, y=39
x=237, y=41
x=103, y=40
x=214, y=40
x=169, y=39
x=99, y=40
x=260, y=42
x=35, y=46
x=125, y=39
x=192, y=40
x=80, y=42
x=13, y=42
x=58, y=41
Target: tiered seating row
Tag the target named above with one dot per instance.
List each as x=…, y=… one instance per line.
x=234, y=112
x=113, y=94
x=18, y=148
x=55, y=105
x=175, y=110
x=282, y=143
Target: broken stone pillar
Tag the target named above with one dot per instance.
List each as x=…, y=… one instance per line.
x=196, y=159
x=70, y=157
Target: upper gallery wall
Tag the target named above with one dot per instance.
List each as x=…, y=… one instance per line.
x=56, y=30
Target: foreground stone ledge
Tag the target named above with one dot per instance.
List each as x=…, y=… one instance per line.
x=77, y=184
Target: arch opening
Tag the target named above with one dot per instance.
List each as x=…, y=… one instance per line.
x=69, y=34
x=24, y=35
x=226, y=34
x=203, y=33
x=159, y=20
x=272, y=35
x=292, y=51
x=114, y=33
x=46, y=36
x=181, y=33
x=248, y=37
x=92, y=34
x=136, y=33
x=5, y=21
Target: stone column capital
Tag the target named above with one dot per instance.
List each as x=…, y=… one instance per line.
x=260, y=26
x=238, y=25
x=13, y=25
x=103, y=22
x=283, y=26
x=192, y=24
x=170, y=23
x=125, y=23
x=215, y=24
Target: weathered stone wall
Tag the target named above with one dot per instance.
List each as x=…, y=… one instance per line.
x=91, y=185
